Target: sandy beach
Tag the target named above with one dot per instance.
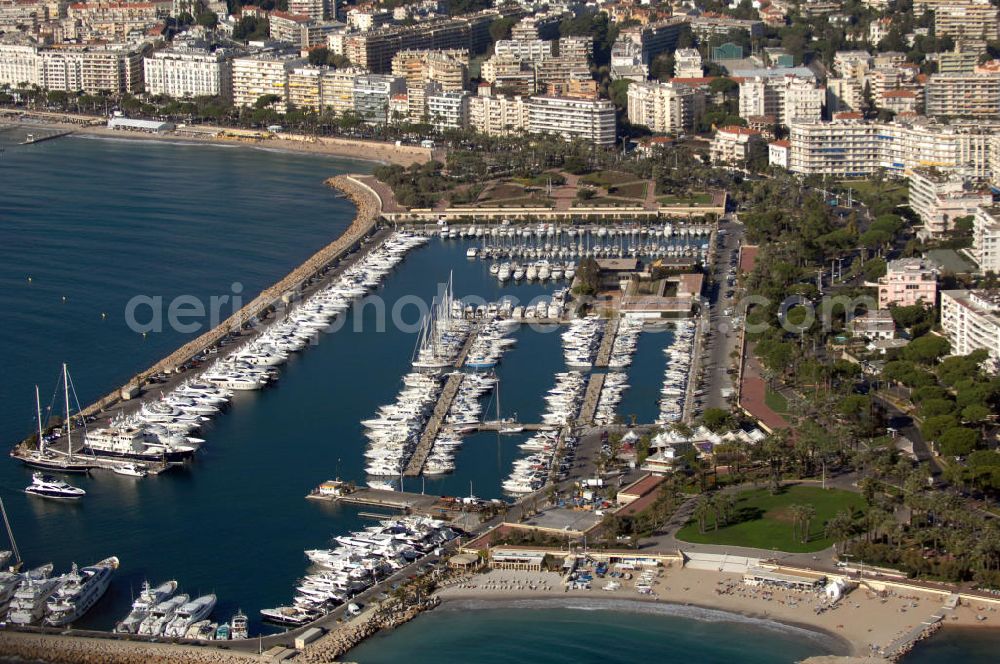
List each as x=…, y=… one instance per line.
x=376, y=151
x=857, y=622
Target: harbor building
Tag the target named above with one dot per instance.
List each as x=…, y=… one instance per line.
x=732, y=145
x=907, y=281
x=186, y=72
x=665, y=107
x=939, y=198
x=986, y=238
x=971, y=321
x=372, y=93
x=256, y=76
x=592, y=120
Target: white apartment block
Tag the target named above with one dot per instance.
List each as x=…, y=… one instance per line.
x=576, y=48
x=971, y=321
x=853, y=147
x=665, y=107
x=986, y=238
x=592, y=120
x=448, y=110
x=116, y=68
x=449, y=68
x=498, y=115
x=314, y=9
x=787, y=98
x=732, y=145
x=939, y=197
x=185, y=73
x=257, y=75
x=532, y=50
x=687, y=63
x=304, y=84
x=337, y=89
x=973, y=94
x=372, y=95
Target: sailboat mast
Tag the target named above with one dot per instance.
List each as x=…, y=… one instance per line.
x=10, y=534
x=38, y=414
x=69, y=423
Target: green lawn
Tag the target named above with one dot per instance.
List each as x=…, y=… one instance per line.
x=764, y=521
x=776, y=401
x=693, y=200
x=632, y=190
x=607, y=178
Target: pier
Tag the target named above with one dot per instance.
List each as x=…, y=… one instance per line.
x=39, y=136
x=607, y=342
x=368, y=497
x=436, y=420
x=591, y=398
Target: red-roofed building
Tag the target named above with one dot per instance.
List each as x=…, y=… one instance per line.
x=900, y=101
x=639, y=489
x=732, y=145
x=778, y=153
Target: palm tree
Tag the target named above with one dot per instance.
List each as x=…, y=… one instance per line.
x=797, y=513
x=808, y=514
x=701, y=511
x=839, y=529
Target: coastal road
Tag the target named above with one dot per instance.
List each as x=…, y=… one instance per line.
x=722, y=336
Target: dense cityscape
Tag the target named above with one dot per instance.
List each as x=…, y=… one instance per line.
x=707, y=337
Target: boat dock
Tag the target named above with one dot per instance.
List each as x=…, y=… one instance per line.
x=496, y=426
x=607, y=342
x=436, y=420
x=397, y=500
x=41, y=135
x=590, y=399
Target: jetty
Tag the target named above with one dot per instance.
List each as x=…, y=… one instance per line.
x=591, y=399
x=368, y=497
x=607, y=342
x=41, y=135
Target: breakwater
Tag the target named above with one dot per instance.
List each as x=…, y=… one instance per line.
x=366, y=219
x=76, y=650
x=339, y=641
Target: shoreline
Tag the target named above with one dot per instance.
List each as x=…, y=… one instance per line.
x=861, y=622
x=669, y=609
x=376, y=152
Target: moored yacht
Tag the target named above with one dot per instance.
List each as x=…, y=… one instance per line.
x=148, y=599
x=80, y=592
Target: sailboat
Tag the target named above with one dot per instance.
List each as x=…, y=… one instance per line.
x=509, y=425
x=51, y=459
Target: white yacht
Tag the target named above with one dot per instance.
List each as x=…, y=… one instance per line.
x=80, y=592
x=162, y=613
x=189, y=614
x=29, y=602
x=130, y=469
x=47, y=486
x=148, y=599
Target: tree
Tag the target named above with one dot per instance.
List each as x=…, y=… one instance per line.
x=840, y=528
x=209, y=20
x=958, y=441
x=500, y=28
x=319, y=55
x=701, y=511
x=927, y=349
x=716, y=419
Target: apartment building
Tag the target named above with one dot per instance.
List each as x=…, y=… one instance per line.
x=524, y=49
x=372, y=94
x=732, y=145
x=588, y=119
x=971, y=321
x=654, y=38
x=449, y=68
x=115, y=21
x=986, y=238
x=901, y=101
x=939, y=197
x=255, y=76
x=497, y=115
x=665, y=107
x=907, y=281
x=188, y=72
x=962, y=60
x=448, y=110
x=687, y=63
x=70, y=68
x=974, y=22
x=336, y=92
x=974, y=94
x=375, y=49
x=787, y=98
x=844, y=95
x=851, y=147
x=317, y=10
x=852, y=64
x=706, y=26
x=304, y=87
x=576, y=48
x=560, y=68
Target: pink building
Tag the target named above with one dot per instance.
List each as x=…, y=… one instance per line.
x=908, y=281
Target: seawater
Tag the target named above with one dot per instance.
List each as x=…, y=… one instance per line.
x=537, y=632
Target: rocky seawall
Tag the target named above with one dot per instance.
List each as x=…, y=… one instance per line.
x=77, y=650
x=339, y=641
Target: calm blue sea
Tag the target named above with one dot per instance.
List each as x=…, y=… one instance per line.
x=88, y=224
